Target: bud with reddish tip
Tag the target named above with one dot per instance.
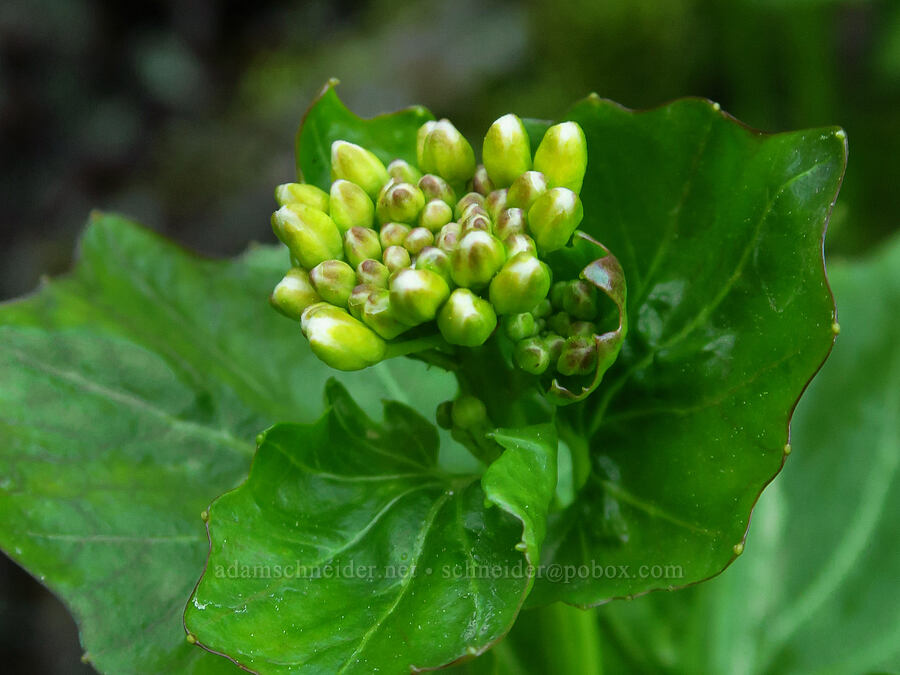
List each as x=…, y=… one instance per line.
x=447, y=153
x=506, y=150
x=417, y=239
x=354, y=163
x=553, y=218
x=416, y=295
x=294, y=293
x=378, y=313
x=302, y=193
x=435, y=215
x=578, y=356
x=521, y=283
x=357, y=300
x=373, y=272
x=465, y=202
x=495, y=203
x=310, y=235
x=403, y=172
x=393, y=234
x=400, y=203
x=350, y=206
x=519, y=243
x=334, y=280
x=532, y=355
x=481, y=182
x=509, y=222
x=477, y=259
x=465, y=319
x=519, y=326
x=396, y=258
x=339, y=340
x=361, y=243
x=448, y=238
x=580, y=299
x=525, y=190
x=435, y=187
x=562, y=156
x=554, y=344
x=436, y=260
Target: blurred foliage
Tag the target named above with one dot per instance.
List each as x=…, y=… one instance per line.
x=182, y=114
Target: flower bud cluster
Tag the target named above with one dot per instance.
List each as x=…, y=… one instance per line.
x=445, y=242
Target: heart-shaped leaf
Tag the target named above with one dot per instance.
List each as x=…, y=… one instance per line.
x=349, y=551
x=131, y=393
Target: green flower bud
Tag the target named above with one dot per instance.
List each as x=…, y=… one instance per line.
x=400, y=202
x=557, y=291
x=476, y=259
x=334, y=280
x=506, y=150
x=354, y=163
x=373, y=272
x=519, y=326
x=554, y=344
x=350, y=206
x=435, y=215
x=361, y=243
x=417, y=239
x=448, y=238
x=532, y=355
x=417, y=294
x=580, y=299
x=495, y=203
x=444, y=415
x=509, y=222
x=393, y=234
x=562, y=156
x=480, y=182
x=468, y=200
x=436, y=260
x=582, y=328
x=357, y=300
x=469, y=413
x=521, y=283
x=560, y=323
x=578, y=357
x=519, y=243
x=396, y=258
x=541, y=310
x=421, y=135
x=465, y=319
x=525, y=190
x=403, y=172
x=553, y=218
x=380, y=315
x=475, y=219
x=310, y=235
x=339, y=340
x=435, y=187
x=302, y=193
x=447, y=153
x=294, y=293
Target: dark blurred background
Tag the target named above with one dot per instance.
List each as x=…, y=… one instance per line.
x=182, y=115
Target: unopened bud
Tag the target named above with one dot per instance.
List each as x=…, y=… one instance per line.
x=532, y=355
x=541, y=310
x=580, y=299
x=334, y=280
x=447, y=153
x=443, y=415
x=465, y=319
x=519, y=243
x=294, y=293
x=354, y=163
x=465, y=202
x=477, y=258
x=553, y=218
x=302, y=193
x=396, y=258
x=448, y=238
x=507, y=150
x=509, y=222
x=380, y=315
x=400, y=203
x=403, y=172
x=495, y=203
x=435, y=187
x=519, y=326
x=435, y=215
x=521, y=283
x=350, y=206
x=310, y=235
x=469, y=412
x=417, y=239
x=582, y=328
x=421, y=135
x=562, y=156
x=481, y=182
x=339, y=340
x=578, y=357
x=525, y=190
x=554, y=344
x=393, y=234
x=560, y=323
x=557, y=292
x=417, y=295
x=361, y=243
x=436, y=260
x=373, y=272
x=357, y=300
x=475, y=219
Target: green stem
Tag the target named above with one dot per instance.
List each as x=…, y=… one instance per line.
x=416, y=345
x=581, y=453
x=559, y=639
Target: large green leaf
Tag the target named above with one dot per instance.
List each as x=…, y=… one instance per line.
x=131, y=393
x=815, y=590
x=348, y=550
x=719, y=230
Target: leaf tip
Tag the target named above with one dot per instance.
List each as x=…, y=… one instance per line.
x=787, y=449
x=738, y=548
x=836, y=328
x=191, y=638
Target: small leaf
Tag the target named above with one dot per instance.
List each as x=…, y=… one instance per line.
x=348, y=550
